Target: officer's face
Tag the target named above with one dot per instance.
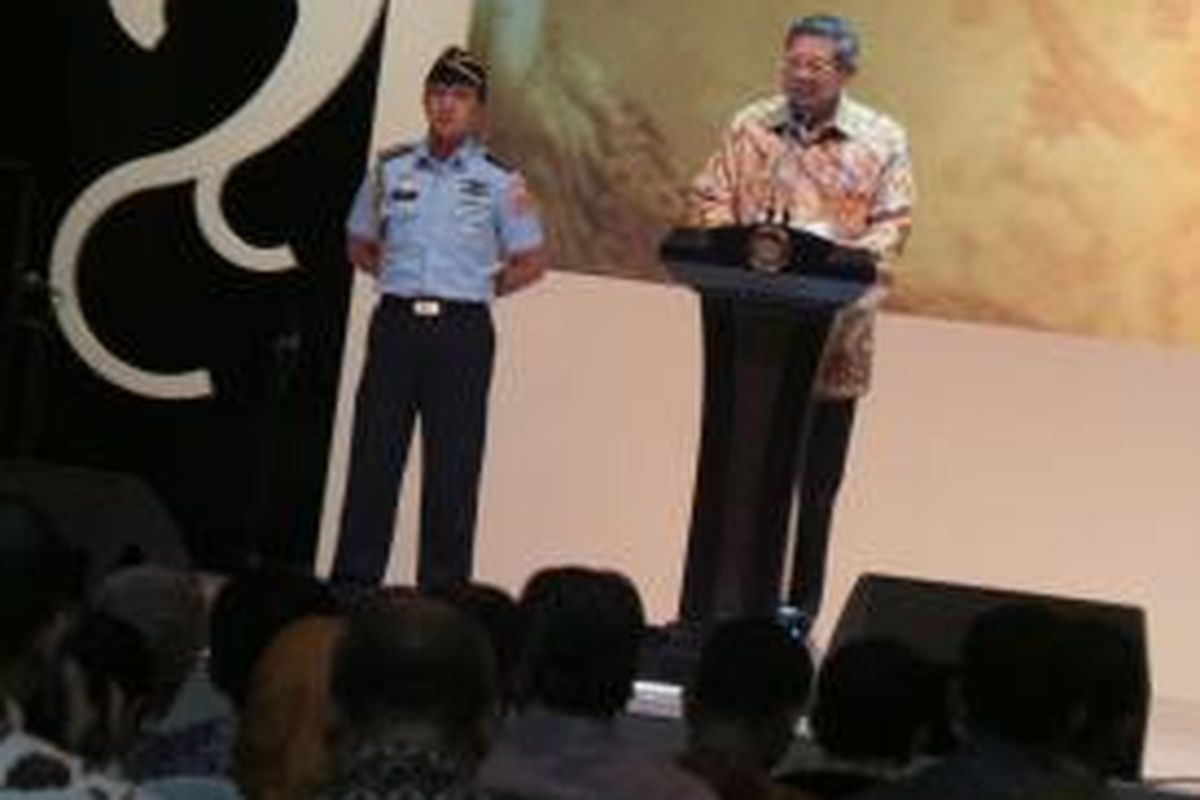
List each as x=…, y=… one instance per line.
x=453, y=112
x=811, y=76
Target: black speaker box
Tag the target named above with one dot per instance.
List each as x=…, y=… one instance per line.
x=933, y=617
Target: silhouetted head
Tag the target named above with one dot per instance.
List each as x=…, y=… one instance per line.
x=250, y=609
x=414, y=671
x=496, y=612
x=166, y=606
x=1113, y=691
x=40, y=580
x=875, y=700
x=1018, y=675
x=583, y=629
x=753, y=681
x=108, y=687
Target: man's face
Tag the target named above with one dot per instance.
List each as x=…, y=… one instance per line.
x=811, y=76
x=453, y=112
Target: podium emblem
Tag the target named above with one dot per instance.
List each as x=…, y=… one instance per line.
x=769, y=248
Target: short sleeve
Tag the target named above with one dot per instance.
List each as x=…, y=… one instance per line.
x=897, y=190
x=363, y=221
x=520, y=228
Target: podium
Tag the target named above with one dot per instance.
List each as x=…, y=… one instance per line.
x=768, y=297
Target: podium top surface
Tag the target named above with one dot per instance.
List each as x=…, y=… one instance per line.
x=768, y=262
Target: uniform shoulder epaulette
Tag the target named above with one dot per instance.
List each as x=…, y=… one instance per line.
x=396, y=150
x=497, y=161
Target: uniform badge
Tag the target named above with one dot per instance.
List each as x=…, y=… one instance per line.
x=520, y=199
x=406, y=190
x=473, y=187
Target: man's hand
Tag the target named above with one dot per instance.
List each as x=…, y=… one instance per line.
x=363, y=254
x=521, y=270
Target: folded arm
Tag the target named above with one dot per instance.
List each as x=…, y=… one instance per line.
x=363, y=253
x=521, y=270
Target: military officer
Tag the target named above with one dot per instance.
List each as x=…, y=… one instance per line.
x=444, y=227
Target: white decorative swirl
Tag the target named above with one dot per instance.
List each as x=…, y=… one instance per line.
x=144, y=21
x=326, y=41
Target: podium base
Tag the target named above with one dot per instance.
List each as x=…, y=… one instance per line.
x=669, y=653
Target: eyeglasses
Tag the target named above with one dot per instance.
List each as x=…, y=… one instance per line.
x=819, y=67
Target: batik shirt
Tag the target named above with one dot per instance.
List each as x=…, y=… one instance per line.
x=849, y=181
x=395, y=770
x=37, y=770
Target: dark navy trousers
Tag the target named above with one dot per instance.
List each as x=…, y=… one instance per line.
x=822, y=465
x=437, y=367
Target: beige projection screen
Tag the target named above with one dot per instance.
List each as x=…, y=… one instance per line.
x=1057, y=143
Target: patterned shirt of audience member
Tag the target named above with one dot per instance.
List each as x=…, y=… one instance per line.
x=34, y=769
x=849, y=180
x=542, y=753
x=391, y=770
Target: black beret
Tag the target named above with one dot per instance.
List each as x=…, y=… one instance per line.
x=456, y=67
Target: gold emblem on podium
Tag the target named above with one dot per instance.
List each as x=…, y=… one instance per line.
x=769, y=248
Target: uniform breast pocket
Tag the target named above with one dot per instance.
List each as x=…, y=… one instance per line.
x=475, y=229
x=473, y=215
x=400, y=223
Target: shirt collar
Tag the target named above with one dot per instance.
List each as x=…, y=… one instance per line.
x=844, y=120
x=456, y=160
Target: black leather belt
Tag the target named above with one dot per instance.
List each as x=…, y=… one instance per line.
x=431, y=307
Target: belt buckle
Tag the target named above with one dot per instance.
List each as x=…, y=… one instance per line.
x=427, y=308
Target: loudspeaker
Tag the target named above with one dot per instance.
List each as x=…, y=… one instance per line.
x=933, y=617
x=113, y=518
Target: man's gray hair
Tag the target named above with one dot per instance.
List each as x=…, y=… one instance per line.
x=836, y=29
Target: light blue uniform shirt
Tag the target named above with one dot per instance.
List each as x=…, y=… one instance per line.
x=444, y=226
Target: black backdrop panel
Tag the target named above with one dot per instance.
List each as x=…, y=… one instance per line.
x=242, y=470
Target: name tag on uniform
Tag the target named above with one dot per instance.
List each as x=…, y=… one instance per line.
x=405, y=190
x=474, y=188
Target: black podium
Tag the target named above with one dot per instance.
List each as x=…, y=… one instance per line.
x=768, y=296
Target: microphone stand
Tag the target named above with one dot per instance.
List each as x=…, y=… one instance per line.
x=25, y=329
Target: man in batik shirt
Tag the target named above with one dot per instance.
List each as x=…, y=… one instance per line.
x=830, y=165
